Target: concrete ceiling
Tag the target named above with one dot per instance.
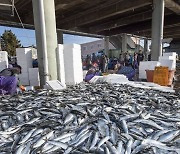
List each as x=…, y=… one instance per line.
x=103, y=17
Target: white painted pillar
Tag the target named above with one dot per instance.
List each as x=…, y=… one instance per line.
x=124, y=43
x=46, y=38
x=106, y=45
x=157, y=28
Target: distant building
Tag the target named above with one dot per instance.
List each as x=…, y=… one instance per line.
x=93, y=47
x=115, y=45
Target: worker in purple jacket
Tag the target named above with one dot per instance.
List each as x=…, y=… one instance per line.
x=91, y=73
x=9, y=80
x=128, y=71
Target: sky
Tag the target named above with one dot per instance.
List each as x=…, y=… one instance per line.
x=27, y=37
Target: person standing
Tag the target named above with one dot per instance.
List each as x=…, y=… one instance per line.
x=149, y=57
x=88, y=62
x=105, y=63
x=121, y=59
x=126, y=58
x=130, y=60
x=140, y=57
x=101, y=63
x=94, y=58
x=135, y=61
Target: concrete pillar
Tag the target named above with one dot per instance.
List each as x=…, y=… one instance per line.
x=146, y=48
x=124, y=43
x=157, y=28
x=106, y=45
x=39, y=42
x=50, y=21
x=47, y=13
x=60, y=37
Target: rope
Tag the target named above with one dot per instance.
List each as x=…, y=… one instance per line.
x=20, y=21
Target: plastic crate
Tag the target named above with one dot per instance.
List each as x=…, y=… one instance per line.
x=161, y=76
x=149, y=75
x=170, y=77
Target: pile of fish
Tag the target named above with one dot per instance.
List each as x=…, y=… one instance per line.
x=90, y=118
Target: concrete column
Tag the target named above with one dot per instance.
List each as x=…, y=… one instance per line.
x=39, y=42
x=157, y=28
x=106, y=46
x=146, y=48
x=49, y=23
x=124, y=43
x=60, y=37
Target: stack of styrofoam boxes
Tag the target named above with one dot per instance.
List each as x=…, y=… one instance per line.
x=147, y=65
x=73, y=64
x=60, y=64
x=169, y=60
x=3, y=60
x=34, y=77
x=24, y=59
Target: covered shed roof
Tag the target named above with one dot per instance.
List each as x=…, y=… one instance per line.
x=103, y=17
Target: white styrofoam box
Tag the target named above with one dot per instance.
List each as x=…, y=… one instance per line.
x=150, y=65
x=60, y=64
x=97, y=79
x=54, y=85
x=73, y=64
x=3, y=53
x=147, y=65
x=25, y=65
x=33, y=73
x=167, y=57
x=34, y=82
x=168, y=63
x=24, y=78
x=3, y=60
x=23, y=52
x=3, y=64
x=24, y=81
x=173, y=54
x=24, y=75
x=116, y=78
x=3, y=56
x=24, y=70
x=24, y=57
